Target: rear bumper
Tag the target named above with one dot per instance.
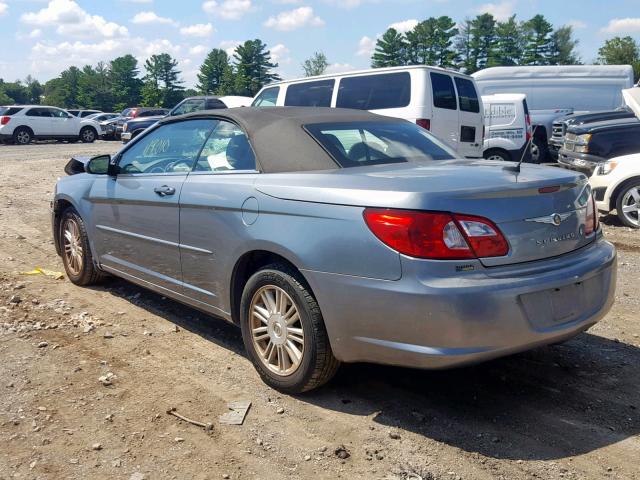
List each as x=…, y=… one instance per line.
x=429, y=321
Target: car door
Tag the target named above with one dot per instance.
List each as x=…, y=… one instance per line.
x=136, y=214
x=469, y=118
x=64, y=124
x=216, y=209
x=39, y=121
x=445, y=122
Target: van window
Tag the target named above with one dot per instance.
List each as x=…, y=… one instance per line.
x=444, y=96
x=467, y=95
x=310, y=94
x=268, y=98
x=373, y=92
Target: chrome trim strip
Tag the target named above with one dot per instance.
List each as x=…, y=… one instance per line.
x=153, y=239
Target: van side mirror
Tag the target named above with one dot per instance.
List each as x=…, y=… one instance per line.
x=99, y=165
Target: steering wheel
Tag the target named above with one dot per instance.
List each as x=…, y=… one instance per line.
x=175, y=166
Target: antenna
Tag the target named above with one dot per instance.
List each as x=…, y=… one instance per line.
x=516, y=168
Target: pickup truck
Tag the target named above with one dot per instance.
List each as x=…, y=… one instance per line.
x=560, y=126
x=588, y=146
x=542, y=124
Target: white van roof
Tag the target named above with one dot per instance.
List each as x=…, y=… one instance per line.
x=504, y=97
x=370, y=71
x=546, y=71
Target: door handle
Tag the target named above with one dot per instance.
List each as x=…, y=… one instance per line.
x=164, y=190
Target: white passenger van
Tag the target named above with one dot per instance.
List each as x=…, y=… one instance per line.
x=507, y=126
x=442, y=101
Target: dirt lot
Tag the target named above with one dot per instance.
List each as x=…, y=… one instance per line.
x=567, y=411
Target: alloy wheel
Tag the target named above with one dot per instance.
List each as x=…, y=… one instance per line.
x=72, y=242
x=23, y=137
x=631, y=205
x=535, y=153
x=495, y=157
x=88, y=135
x=276, y=330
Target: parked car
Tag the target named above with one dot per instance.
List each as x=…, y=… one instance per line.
x=83, y=113
x=560, y=126
x=616, y=186
x=333, y=235
x=136, y=112
x=442, y=101
x=507, y=127
x=585, y=147
x=102, y=117
x=134, y=127
x=24, y=123
x=556, y=91
x=109, y=128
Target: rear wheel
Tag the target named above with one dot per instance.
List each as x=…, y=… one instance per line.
x=628, y=204
x=283, y=331
x=538, y=150
x=88, y=135
x=498, y=155
x=22, y=136
x=76, y=254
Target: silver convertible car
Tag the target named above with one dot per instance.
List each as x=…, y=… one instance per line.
x=335, y=236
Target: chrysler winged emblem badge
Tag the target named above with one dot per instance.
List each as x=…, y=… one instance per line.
x=553, y=219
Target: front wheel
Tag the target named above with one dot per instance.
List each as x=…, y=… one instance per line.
x=499, y=155
x=88, y=135
x=76, y=254
x=538, y=150
x=283, y=331
x=628, y=205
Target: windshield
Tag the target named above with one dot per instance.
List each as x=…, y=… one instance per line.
x=357, y=144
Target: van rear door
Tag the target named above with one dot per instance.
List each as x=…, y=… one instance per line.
x=445, y=122
x=470, y=118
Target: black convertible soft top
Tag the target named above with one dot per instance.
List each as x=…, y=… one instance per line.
x=277, y=135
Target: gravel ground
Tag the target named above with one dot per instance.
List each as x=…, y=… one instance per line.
x=86, y=377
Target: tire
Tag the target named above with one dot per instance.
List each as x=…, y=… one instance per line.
x=629, y=199
x=538, y=150
x=22, y=136
x=317, y=364
x=73, y=239
x=498, y=155
x=88, y=135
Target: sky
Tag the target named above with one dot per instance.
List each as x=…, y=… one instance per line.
x=43, y=37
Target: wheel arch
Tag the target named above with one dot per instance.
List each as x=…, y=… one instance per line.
x=59, y=205
x=504, y=151
x=248, y=264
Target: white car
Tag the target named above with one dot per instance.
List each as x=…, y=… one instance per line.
x=24, y=123
x=616, y=186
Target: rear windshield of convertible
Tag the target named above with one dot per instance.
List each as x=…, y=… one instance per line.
x=355, y=144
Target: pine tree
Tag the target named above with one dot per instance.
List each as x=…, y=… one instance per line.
x=391, y=50
x=34, y=90
x=446, y=32
x=462, y=46
x=483, y=42
x=315, y=65
x=212, y=71
x=563, y=45
x=421, y=43
x=537, y=47
x=253, y=67
x=509, y=43
x=124, y=81
x=162, y=86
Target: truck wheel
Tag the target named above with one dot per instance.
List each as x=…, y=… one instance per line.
x=538, y=150
x=498, y=155
x=283, y=331
x=628, y=204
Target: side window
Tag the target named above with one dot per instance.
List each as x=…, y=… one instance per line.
x=268, y=98
x=170, y=148
x=33, y=112
x=444, y=95
x=227, y=148
x=310, y=94
x=373, y=92
x=55, y=113
x=467, y=95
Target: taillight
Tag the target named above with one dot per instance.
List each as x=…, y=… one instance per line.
x=4, y=119
x=592, y=220
x=424, y=123
x=134, y=113
x=436, y=235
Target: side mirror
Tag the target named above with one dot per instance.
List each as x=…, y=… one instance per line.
x=99, y=165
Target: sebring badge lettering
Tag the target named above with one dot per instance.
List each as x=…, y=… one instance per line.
x=555, y=239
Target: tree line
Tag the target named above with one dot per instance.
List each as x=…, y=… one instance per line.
x=120, y=83
x=476, y=43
